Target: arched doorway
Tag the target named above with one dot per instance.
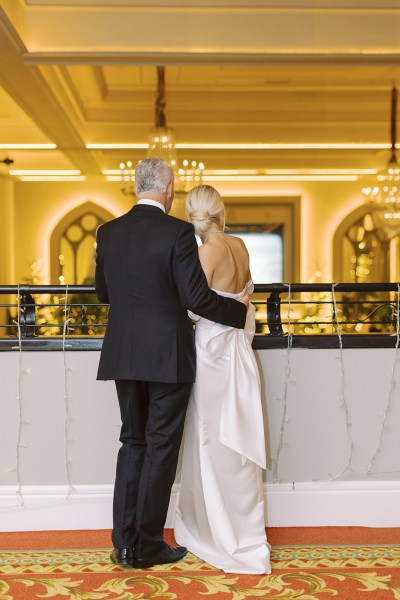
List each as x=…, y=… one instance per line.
x=362, y=253
x=73, y=243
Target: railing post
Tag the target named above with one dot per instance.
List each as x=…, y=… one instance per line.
x=274, y=314
x=27, y=313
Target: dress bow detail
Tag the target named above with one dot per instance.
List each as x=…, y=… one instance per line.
x=241, y=424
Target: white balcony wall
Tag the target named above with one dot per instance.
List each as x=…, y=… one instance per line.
x=322, y=461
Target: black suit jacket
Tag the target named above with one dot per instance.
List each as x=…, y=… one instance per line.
x=148, y=269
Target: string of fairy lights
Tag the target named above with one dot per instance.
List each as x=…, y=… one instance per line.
x=68, y=418
x=389, y=398
x=287, y=371
x=343, y=403
x=21, y=420
x=384, y=417
x=342, y=398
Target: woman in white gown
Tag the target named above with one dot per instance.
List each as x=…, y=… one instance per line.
x=220, y=513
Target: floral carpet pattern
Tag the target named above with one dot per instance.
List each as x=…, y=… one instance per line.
x=299, y=572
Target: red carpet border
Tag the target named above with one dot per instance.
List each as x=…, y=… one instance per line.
x=304, y=572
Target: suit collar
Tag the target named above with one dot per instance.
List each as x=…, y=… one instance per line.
x=147, y=208
x=149, y=202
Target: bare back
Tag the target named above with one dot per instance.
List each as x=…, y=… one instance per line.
x=225, y=262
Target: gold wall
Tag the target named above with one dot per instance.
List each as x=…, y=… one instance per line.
x=30, y=211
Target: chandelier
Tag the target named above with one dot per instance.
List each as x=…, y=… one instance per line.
x=128, y=178
x=161, y=144
x=383, y=199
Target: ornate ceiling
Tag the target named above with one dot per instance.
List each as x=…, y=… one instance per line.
x=237, y=73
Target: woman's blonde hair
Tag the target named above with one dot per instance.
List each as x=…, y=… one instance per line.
x=204, y=206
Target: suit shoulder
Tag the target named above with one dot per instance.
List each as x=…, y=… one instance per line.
x=179, y=225
x=110, y=225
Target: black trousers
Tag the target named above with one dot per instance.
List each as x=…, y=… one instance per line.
x=152, y=416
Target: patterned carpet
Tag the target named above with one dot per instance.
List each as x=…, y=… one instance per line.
x=304, y=572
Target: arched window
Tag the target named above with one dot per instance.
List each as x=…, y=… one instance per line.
x=72, y=244
x=362, y=253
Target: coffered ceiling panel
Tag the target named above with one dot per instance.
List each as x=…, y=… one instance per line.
x=15, y=126
x=90, y=91
x=128, y=78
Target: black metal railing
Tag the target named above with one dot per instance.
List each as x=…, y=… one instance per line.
x=299, y=314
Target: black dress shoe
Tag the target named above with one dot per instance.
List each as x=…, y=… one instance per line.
x=167, y=554
x=122, y=557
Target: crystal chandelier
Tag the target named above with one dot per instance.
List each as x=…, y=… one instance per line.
x=162, y=145
x=127, y=178
x=161, y=139
x=383, y=199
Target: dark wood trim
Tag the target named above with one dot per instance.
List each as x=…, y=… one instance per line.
x=261, y=342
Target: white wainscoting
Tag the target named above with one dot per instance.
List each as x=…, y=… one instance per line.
x=361, y=503
x=313, y=484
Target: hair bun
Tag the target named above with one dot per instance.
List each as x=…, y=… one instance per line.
x=199, y=215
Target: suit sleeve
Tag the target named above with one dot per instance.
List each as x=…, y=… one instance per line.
x=193, y=289
x=101, y=284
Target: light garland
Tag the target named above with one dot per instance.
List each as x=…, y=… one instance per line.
x=68, y=417
x=284, y=420
x=22, y=420
x=20, y=407
x=343, y=404
x=388, y=402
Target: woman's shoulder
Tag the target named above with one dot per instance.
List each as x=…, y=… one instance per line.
x=206, y=251
x=238, y=241
x=238, y=245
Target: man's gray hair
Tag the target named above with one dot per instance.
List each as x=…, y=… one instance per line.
x=153, y=175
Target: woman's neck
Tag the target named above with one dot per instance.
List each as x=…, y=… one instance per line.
x=213, y=230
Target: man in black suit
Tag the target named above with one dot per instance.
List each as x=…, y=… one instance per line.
x=147, y=269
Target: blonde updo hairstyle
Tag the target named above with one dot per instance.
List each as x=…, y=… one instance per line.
x=204, y=206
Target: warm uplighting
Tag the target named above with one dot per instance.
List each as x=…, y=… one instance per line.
x=28, y=146
x=283, y=146
x=280, y=178
x=250, y=146
x=53, y=178
x=38, y=172
x=326, y=172
x=320, y=172
x=128, y=146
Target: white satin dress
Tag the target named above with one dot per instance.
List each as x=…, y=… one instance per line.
x=220, y=512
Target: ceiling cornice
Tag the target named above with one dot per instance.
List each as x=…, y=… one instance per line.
x=216, y=33
x=301, y=5
x=212, y=58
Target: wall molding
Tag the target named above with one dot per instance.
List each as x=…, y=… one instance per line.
x=378, y=58
x=310, y=504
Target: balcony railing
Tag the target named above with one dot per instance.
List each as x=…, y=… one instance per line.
x=301, y=315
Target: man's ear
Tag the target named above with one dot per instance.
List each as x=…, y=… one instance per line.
x=169, y=189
